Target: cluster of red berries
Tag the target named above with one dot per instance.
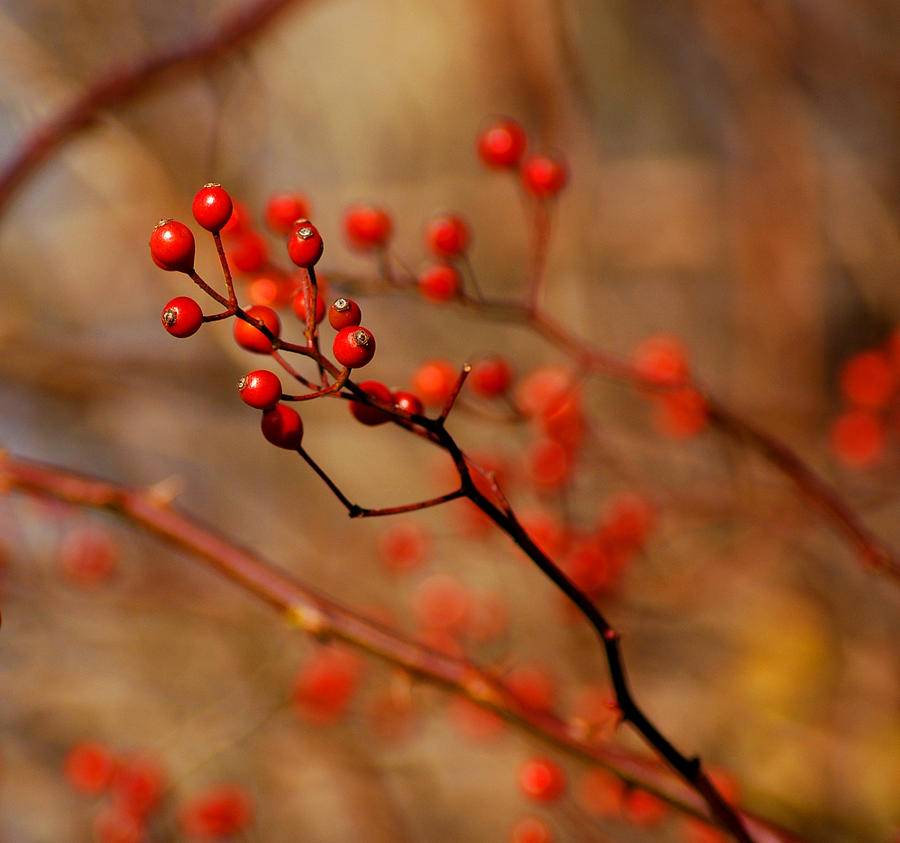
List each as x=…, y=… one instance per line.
x=869, y=384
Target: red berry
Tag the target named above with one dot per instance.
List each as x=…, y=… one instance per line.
x=138, y=785
x=644, y=808
x=439, y=282
x=116, y=824
x=239, y=222
x=868, y=379
x=858, y=438
x=354, y=346
x=282, y=426
x=402, y=547
x=367, y=227
x=88, y=556
x=492, y=377
x=344, y=313
x=271, y=289
x=502, y=144
x=250, y=337
x=325, y=684
x=533, y=687
x=220, y=812
x=248, y=252
x=600, y=793
x=283, y=210
x=367, y=414
x=409, y=402
x=447, y=236
x=434, y=381
x=260, y=389
x=681, y=413
x=531, y=830
x=89, y=767
x=182, y=317
x=172, y=246
x=544, y=176
x=542, y=780
x=442, y=602
x=212, y=207
x=305, y=244
x=298, y=304
x=662, y=359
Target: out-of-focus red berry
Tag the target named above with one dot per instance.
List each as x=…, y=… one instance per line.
x=219, y=812
x=542, y=780
x=502, y=144
x=89, y=767
x=325, y=684
x=868, y=379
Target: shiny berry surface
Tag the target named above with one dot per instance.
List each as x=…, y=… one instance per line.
x=544, y=176
x=354, y=346
x=372, y=415
x=439, y=282
x=502, y=144
x=182, y=317
x=172, y=246
x=367, y=227
x=305, y=244
x=260, y=389
x=298, y=305
x=491, y=377
x=409, y=402
x=282, y=426
x=344, y=313
x=212, y=207
x=447, y=236
x=250, y=337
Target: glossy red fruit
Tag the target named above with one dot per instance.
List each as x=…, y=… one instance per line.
x=282, y=426
x=408, y=401
x=248, y=252
x=172, y=246
x=212, y=207
x=218, y=813
x=305, y=244
x=367, y=227
x=354, y=346
x=250, y=337
x=283, y=210
x=89, y=767
x=502, y=144
x=542, y=780
x=492, y=377
x=260, y=389
x=367, y=414
x=434, y=381
x=439, y=282
x=298, y=305
x=182, y=317
x=447, y=236
x=344, y=313
x=544, y=176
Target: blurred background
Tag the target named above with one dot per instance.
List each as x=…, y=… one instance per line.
x=734, y=183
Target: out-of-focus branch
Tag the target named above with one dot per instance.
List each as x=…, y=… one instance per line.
x=324, y=618
x=121, y=84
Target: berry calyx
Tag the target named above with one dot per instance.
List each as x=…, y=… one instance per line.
x=172, y=246
x=367, y=227
x=260, y=389
x=409, y=402
x=491, y=377
x=542, y=780
x=354, y=346
x=344, y=313
x=248, y=336
x=182, y=317
x=212, y=207
x=447, y=236
x=367, y=414
x=543, y=176
x=283, y=427
x=439, y=282
x=305, y=244
x=298, y=305
x=283, y=210
x=502, y=144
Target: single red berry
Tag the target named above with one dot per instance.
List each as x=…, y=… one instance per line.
x=138, y=784
x=260, y=389
x=492, y=377
x=172, y=246
x=344, y=313
x=542, y=780
x=403, y=546
x=248, y=252
x=531, y=830
x=272, y=289
x=354, y=346
x=544, y=176
x=434, y=381
x=212, y=207
x=442, y=602
x=116, y=824
x=220, y=812
x=858, y=438
x=250, y=337
x=502, y=144
x=305, y=244
x=239, y=222
x=88, y=556
x=532, y=687
x=365, y=413
x=600, y=794
x=182, y=317
x=868, y=379
x=644, y=808
x=325, y=685
x=298, y=304
x=439, y=282
x=89, y=767
x=282, y=426
x=662, y=359
x=367, y=227
x=447, y=236
x=408, y=401
x=283, y=210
